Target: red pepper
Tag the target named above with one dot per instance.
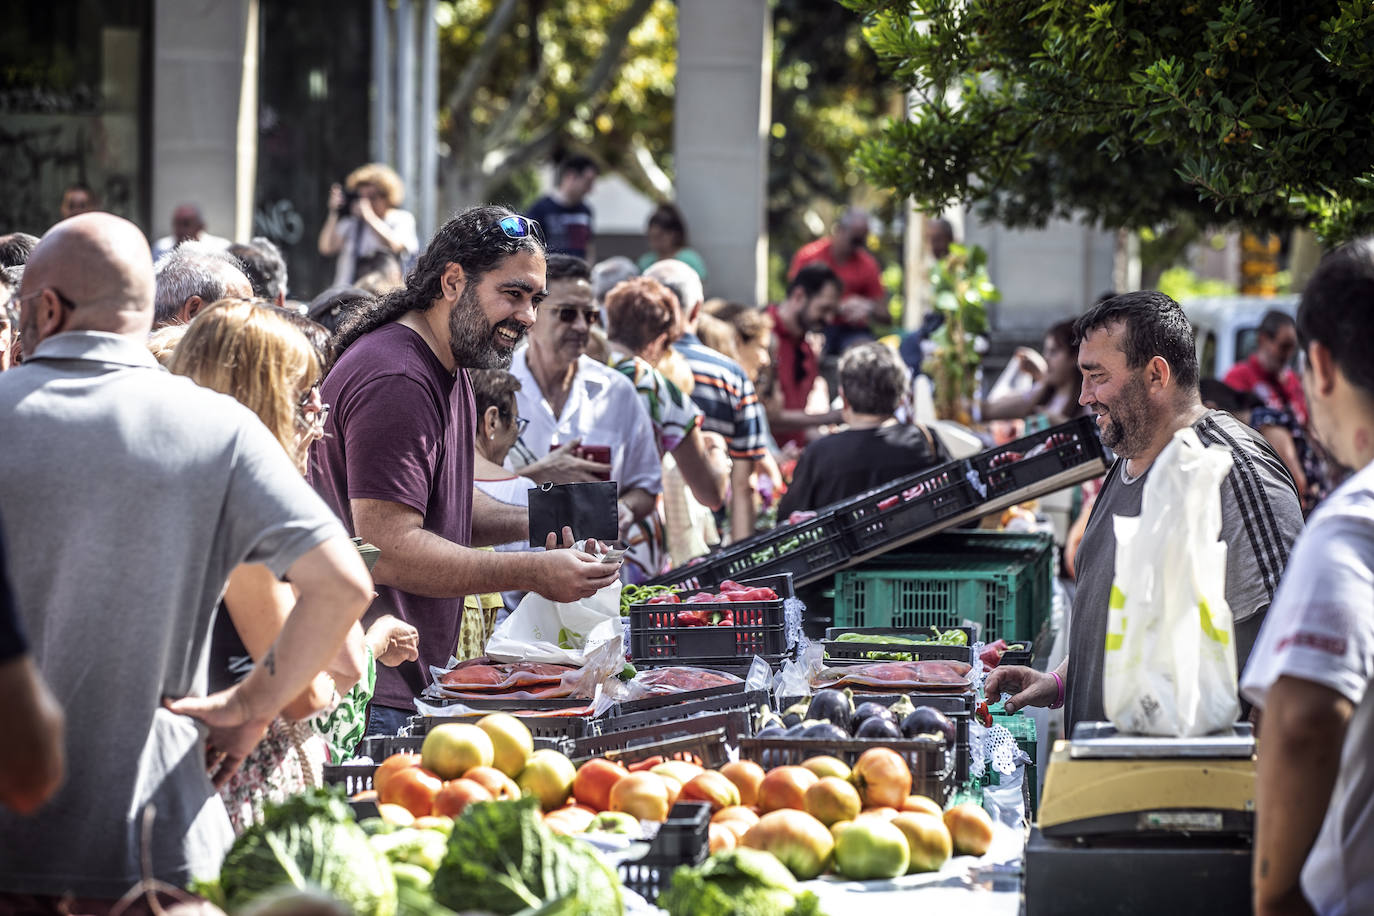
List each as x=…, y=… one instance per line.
x=723, y=618
x=703, y=598
x=885, y=504
x=992, y=653
x=730, y=585
x=691, y=618
x=665, y=599
x=983, y=715
x=754, y=594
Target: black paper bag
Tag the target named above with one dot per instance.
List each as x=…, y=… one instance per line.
x=588, y=508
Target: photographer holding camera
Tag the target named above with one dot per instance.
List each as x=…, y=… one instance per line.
x=364, y=218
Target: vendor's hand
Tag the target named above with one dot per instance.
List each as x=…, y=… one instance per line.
x=571, y=575
x=1028, y=686
x=393, y=641
x=234, y=729
x=562, y=466
x=551, y=542
x=336, y=198
x=856, y=310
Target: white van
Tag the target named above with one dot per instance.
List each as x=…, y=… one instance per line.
x=1227, y=328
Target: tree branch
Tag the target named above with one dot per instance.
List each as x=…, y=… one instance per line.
x=517, y=107
x=596, y=80
x=461, y=96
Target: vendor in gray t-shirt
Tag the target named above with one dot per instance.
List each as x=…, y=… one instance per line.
x=129, y=494
x=1140, y=377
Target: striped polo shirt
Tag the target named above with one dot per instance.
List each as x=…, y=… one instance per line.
x=727, y=399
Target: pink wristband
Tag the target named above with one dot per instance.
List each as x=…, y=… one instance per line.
x=1059, y=701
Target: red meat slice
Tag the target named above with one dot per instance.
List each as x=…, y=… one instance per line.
x=678, y=679
x=484, y=675
x=898, y=674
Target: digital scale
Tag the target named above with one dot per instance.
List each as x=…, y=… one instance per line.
x=1132, y=824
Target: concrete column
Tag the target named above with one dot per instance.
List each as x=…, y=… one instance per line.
x=199, y=77
x=720, y=135
x=380, y=100
x=426, y=187
x=405, y=94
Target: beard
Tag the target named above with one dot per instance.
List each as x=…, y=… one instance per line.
x=473, y=340
x=1128, y=420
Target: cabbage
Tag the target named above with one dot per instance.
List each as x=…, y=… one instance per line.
x=412, y=846
x=309, y=841
x=502, y=859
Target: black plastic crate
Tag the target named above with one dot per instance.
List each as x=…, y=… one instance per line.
x=932, y=766
x=840, y=653
x=660, y=700
x=957, y=706
x=726, y=702
x=683, y=839
x=552, y=728
x=1039, y=456
x=893, y=513
x=705, y=738
x=809, y=550
x=694, y=577
x=1016, y=657
x=760, y=629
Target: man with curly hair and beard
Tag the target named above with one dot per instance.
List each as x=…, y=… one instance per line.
x=396, y=461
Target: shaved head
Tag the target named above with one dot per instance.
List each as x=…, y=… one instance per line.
x=100, y=264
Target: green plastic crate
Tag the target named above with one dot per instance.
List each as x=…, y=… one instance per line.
x=1000, y=581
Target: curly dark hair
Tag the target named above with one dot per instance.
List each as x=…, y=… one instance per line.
x=470, y=239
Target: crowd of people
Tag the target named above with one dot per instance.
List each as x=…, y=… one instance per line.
x=188, y=628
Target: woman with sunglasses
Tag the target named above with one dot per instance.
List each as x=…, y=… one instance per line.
x=247, y=351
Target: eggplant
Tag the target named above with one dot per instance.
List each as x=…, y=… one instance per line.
x=878, y=728
x=825, y=731
x=791, y=719
x=834, y=706
x=902, y=708
x=929, y=721
x=866, y=711
x=767, y=719
x=772, y=731
x=795, y=731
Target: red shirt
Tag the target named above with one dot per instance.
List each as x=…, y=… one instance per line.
x=859, y=275
x=1282, y=393
x=797, y=367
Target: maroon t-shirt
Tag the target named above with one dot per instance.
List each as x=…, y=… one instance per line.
x=401, y=428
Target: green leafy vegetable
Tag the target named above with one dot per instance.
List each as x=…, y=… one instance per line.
x=640, y=594
x=502, y=859
x=412, y=846
x=737, y=882
x=309, y=841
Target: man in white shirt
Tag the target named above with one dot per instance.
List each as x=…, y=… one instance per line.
x=573, y=402
x=188, y=225
x=1311, y=667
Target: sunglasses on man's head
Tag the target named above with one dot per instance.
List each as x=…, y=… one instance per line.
x=517, y=227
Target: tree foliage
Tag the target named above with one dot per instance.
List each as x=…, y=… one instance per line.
x=1133, y=112
x=522, y=79
x=830, y=93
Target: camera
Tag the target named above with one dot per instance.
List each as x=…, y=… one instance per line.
x=349, y=199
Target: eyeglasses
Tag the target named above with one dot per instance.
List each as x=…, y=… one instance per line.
x=517, y=227
x=311, y=414
x=67, y=304
x=568, y=314
x=520, y=425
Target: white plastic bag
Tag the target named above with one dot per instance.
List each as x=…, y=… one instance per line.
x=1170, y=665
x=540, y=630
